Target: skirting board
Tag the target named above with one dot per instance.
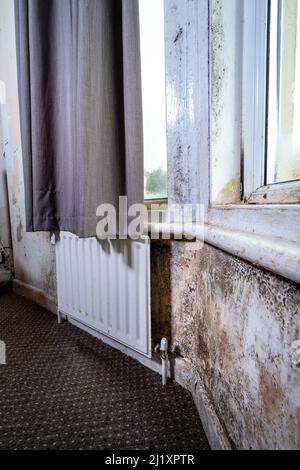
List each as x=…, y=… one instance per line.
x=182, y=371
x=35, y=294
x=187, y=376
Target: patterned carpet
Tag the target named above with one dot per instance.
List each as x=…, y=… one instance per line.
x=64, y=389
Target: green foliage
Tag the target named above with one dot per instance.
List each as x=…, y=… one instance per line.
x=156, y=184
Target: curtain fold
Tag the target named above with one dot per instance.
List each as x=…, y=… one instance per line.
x=80, y=109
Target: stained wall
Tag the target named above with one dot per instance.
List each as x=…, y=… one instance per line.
x=235, y=323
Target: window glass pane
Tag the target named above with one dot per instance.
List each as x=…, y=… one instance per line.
x=283, y=152
x=154, y=100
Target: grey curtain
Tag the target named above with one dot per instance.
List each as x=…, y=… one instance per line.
x=80, y=107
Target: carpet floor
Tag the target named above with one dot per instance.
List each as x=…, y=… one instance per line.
x=61, y=388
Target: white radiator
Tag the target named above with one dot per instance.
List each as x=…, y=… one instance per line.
x=106, y=286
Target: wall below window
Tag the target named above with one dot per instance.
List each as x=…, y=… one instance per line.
x=235, y=325
x=34, y=256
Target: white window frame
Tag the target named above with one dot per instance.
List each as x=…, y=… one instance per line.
x=256, y=191
x=255, y=50
x=272, y=210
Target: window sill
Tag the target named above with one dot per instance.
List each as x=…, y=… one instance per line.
x=279, y=193
x=156, y=202
x=279, y=221
x=271, y=253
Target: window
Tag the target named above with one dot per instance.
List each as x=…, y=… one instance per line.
x=220, y=55
x=255, y=101
x=154, y=98
x=283, y=145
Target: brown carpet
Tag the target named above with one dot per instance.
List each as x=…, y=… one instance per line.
x=64, y=389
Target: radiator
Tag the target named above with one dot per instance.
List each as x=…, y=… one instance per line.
x=106, y=286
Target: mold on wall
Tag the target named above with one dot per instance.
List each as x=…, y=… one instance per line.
x=33, y=254
x=186, y=100
x=235, y=323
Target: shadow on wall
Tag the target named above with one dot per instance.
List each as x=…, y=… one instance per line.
x=5, y=232
x=6, y=263
x=161, y=291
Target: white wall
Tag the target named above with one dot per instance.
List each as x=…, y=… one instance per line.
x=34, y=256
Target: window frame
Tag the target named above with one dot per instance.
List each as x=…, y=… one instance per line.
x=255, y=53
x=255, y=187
x=254, y=96
x=264, y=209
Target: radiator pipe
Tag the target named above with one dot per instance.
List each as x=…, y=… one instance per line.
x=164, y=360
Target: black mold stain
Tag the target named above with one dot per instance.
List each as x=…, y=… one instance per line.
x=178, y=35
